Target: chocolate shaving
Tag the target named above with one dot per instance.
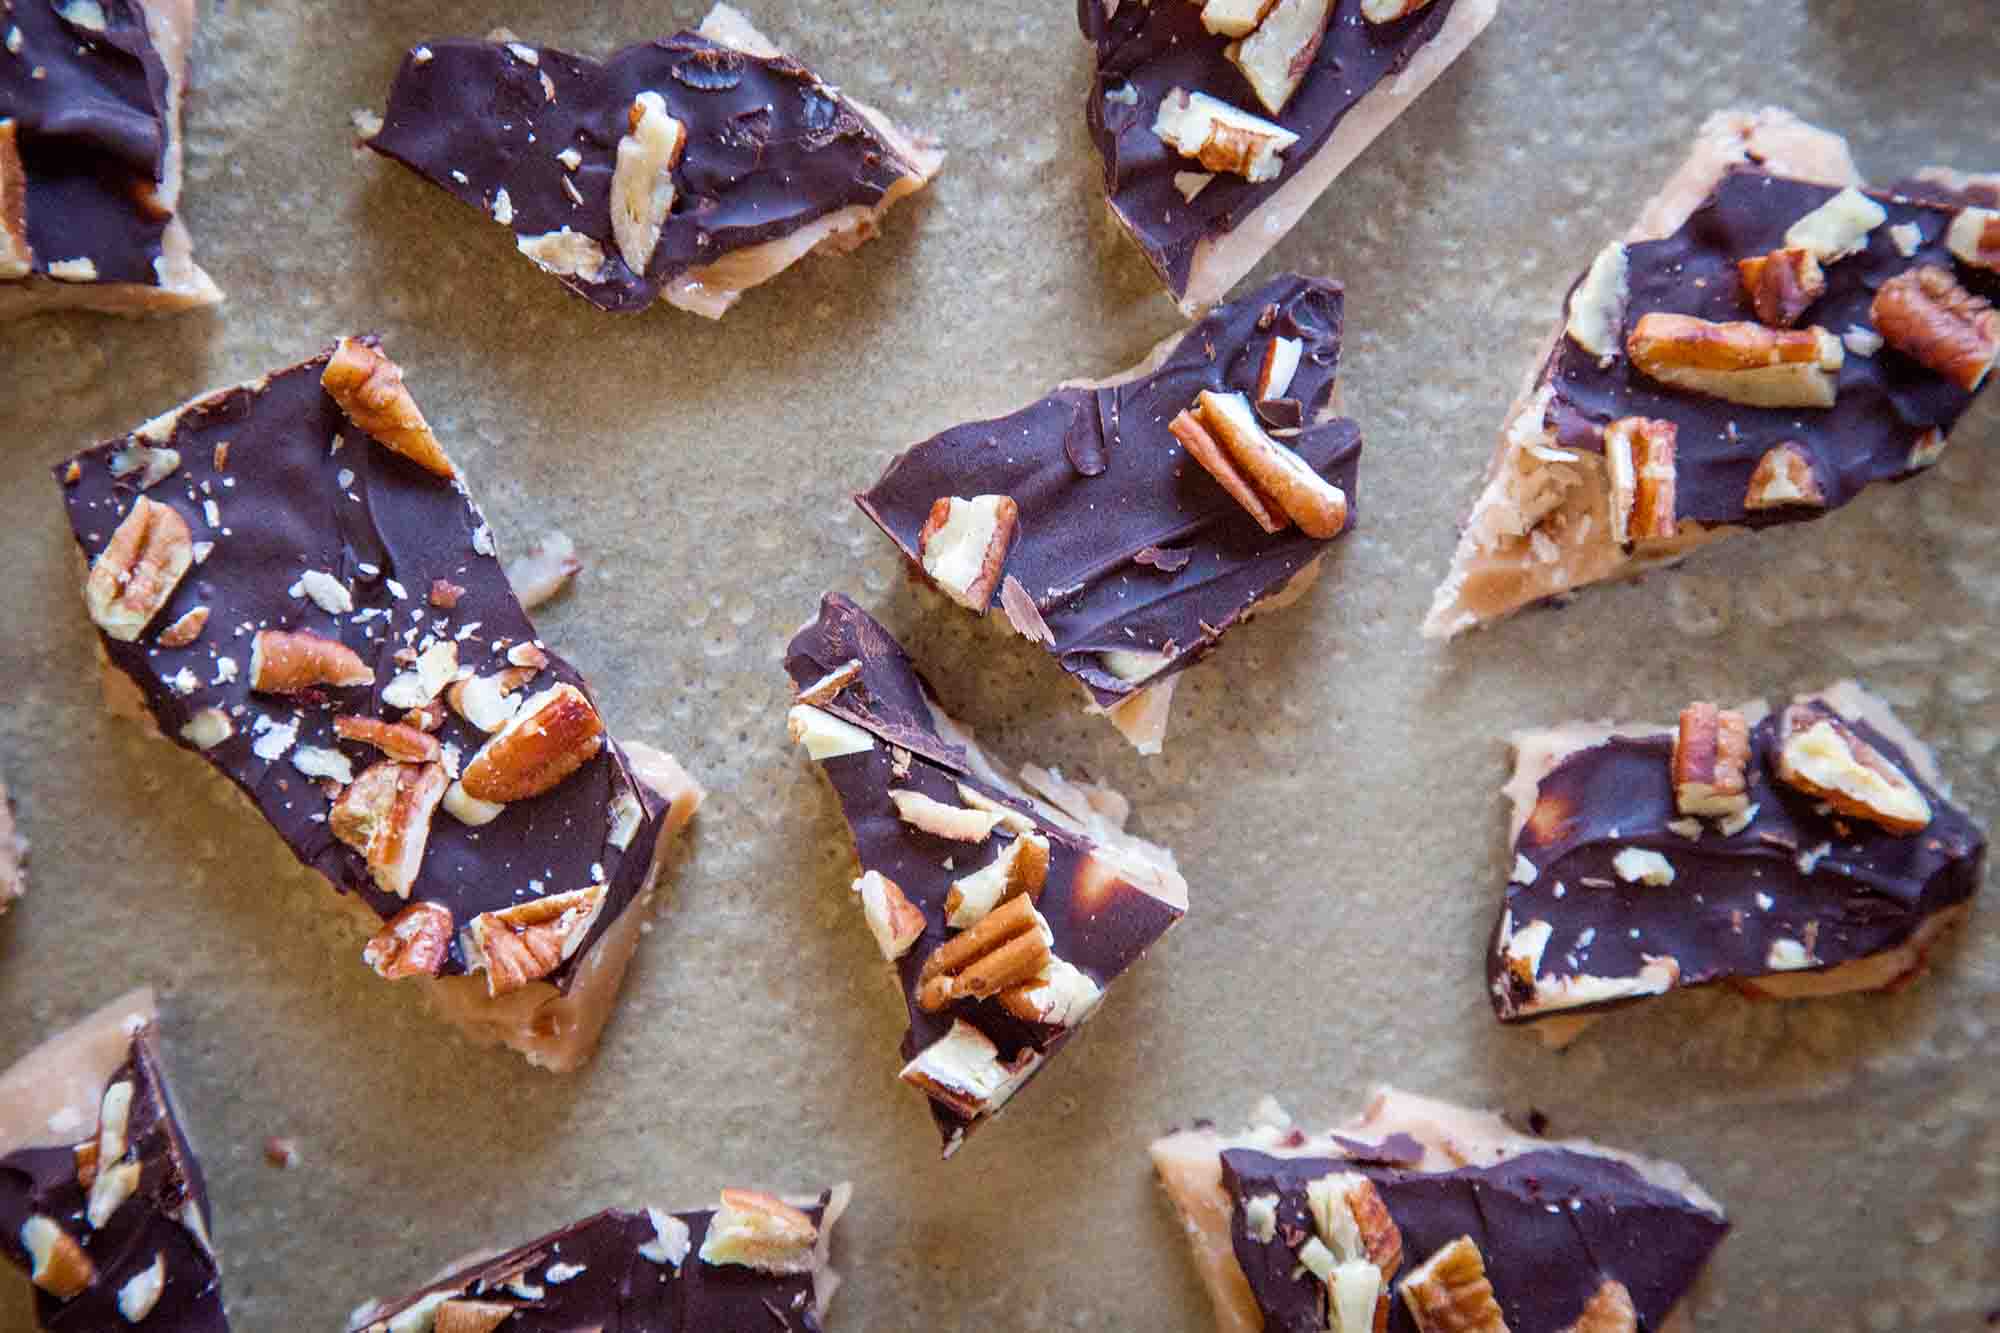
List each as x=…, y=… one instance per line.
x=1282, y=413
x=1396, y=1150
x=1023, y=614
x=1082, y=444
x=1166, y=559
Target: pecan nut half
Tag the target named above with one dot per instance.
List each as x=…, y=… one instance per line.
x=134, y=576
x=413, y=943
x=528, y=941
x=1927, y=316
x=385, y=814
x=368, y=386
x=1449, y=1293
x=556, y=733
x=292, y=661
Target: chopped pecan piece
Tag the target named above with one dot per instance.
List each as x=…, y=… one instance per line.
x=828, y=687
x=186, y=629
x=1610, y=1311
x=1008, y=947
x=413, y=943
x=963, y=546
x=1821, y=755
x=758, y=1231
x=410, y=745
x=470, y=1316
x=59, y=1265
x=137, y=572
x=1274, y=485
x=1222, y=137
x=892, y=918
x=642, y=185
x=528, y=941
x=17, y=257
x=444, y=594
x=1234, y=18
x=1837, y=228
x=1639, y=459
x=963, y=1071
x=1782, y=285
x=1597, y=307
x=1711, y=756
x=1275, y=58
x=938, y=819
x=1926, y=315
x=1738, y=361
x=292, y=661
x=386, y=816
x=1280, y=365
x=1388, y=11
x=1449, y=1293
x=1975, y=238
x=1021, y=868
x=555, y=733
x=369, y=388
x=1784, y=477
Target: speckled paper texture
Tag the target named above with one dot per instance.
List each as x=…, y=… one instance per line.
x=1330, y=783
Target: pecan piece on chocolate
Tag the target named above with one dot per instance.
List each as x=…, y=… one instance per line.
x=892, y=918
x=1822, y=756
x=642, y=184
x=413, y=943
x=471, y=1316
x=1974, y=238
x=963, y=546
x=17, y=257
x=1008, y=947
x=1274, y=485
x=1711, y=758
x=1449, y=1293
x=1927, y=316
x=368, y=386
x=134, y=576
x=58, y=1264
x=1784, y=478
x=553, y=735
x=293, y=661
x=410, y=745
x=385, y=814
x=1275, y=59
x=1021, y=868
x=1222, y=137
x=1639, y=461
x=755, y=1230
x=1610, y=1311
x=1783, y=284
x=1738, y=361
x=528, y=941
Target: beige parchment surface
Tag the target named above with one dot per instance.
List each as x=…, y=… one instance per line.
x=1330, y=784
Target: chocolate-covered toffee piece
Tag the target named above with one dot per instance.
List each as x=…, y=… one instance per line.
x=1769, y=340
x=1424, y=1217
x=101, y=1200
x=1006, y=916
x=1220, y=123
x=1802, y=852
x=13, y=853
x=753, y=1261
x=289, y=578
x=1126, y=526
x=90, y=158
x=687, y=169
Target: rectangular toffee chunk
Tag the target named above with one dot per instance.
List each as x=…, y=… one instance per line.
x=1006, y=916
x=90, y=158
x=101, y=1199
x=289, y=578
x=1220, y=123
x=752, y=1262
x=686, y=169
x=1424, y=1217
x=1802, y=852
x=1771, y=339
x=1127, y=526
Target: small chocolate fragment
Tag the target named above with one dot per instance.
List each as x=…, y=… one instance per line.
x=1007, y=915
x=1136, y=557
x=686, y=169
x=101, y=1199
x=1808, y=854
x=753, y=1261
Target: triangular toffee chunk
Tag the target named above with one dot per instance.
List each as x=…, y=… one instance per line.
x=1127, y=526
x=289, y=578
x=1769, y=341
x=1220, y=123
x=1006, y=916
x=754, y=1261
x=686, y=169
x=90, y=158
x=1810, y=851
x=101, y=1199
x=1424, y=1217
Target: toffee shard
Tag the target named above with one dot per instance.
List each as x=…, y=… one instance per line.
x=729, y=164
x=1291, y=1230
x=1031, y=906
x=1774, y=423
x=1132, y=545
x=752, y=1260
x=101, y=1198
x=319, y=677
x=90, y=159
x=1837, y=866
x=1289, y=94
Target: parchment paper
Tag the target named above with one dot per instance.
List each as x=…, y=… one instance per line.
x=1330, y=782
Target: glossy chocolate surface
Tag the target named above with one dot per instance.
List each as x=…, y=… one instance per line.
x=286, y=503
x=1101, y=931
x=1110, y=503
x=91, y=118
x=1886, y=401
x=1842, y=888
x=770, y=147
x=615, y=1286
x=153, y=1222
x=1144, y=51
x=1552, y=1225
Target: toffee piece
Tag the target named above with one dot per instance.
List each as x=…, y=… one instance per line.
x=101, y=1199
x=289, y=578
x=13, y=854
x=1126, y=526
x=1424, y=1217
x=753, y=1261
x=1006, y=915
x=1220, y=123
x=1770, y=340
x=90, y=158
x=1807, y=851
x=687, y=169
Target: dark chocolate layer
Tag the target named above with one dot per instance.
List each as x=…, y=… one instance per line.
x=1144, y=51
x=1886, y=401
x=615, y=1286
x=1841, y=888
x=770, y=147
x=1551, y=1224
x=1102, y=932
x=90, y=113
x=1104, y=490
x=286, y=503
x=166, y=1217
